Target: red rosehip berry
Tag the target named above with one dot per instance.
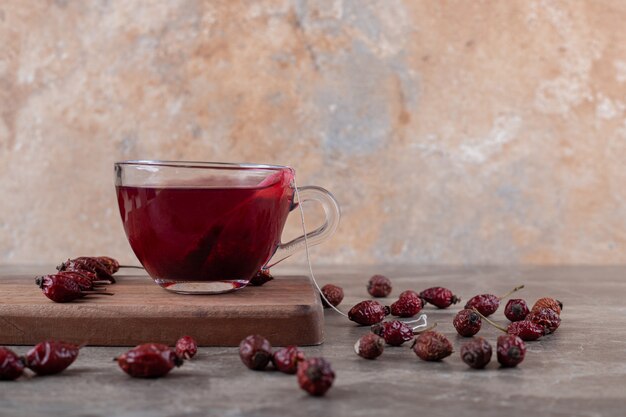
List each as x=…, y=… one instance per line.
x=11, y=366
x=516, y=309
x=368, y=312
x=286, y=359
x=51, y=357
x=91, y=264
x=545, y=317
x=432, y=346
x=487, y=304
x=394, y=332
x=467, y=323
x=550, y=303
x=260, y=278
x=526, y=330
x=186, y=347
x=111, y=264
x=407, y=306
x=315, y=376
x=379, y=286
x=369, y=346
x=150, y=360
x=333, y=294
x=476, y=353
x=439, y=297
x=510, y=350
x=255, y=352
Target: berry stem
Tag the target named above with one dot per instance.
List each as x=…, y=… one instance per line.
x=432, y=326
x=493, y=323
x=511, y=292
x=131, y=266
x=85, y=293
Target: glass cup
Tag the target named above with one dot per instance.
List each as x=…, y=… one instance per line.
x=208, y=228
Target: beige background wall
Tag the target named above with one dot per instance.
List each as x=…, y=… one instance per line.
x=450, y=131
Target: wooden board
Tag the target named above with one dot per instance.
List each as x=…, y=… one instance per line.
x=286, y=310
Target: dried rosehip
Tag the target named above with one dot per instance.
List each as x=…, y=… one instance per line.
x=286, y=359
x=333, y=294
x=11, y=366
x=526, y=330
x=409, y=293
x=547, y=318
x=186, y=347
x=476, y=353
x=51, y=357
x=439, y=297
x=511, y=350
x=369, y=346
x=255, y=352
x=407, y=306
x=150, y=360
x=368, y=312
x=467, y=323
x=315, y=376
x=84, y=281
x=516, y=309
x=432, y=346
x=487, y=304
x=111, y=264
x=550, y=303
x=394, y=332
x=260, y=278
x=379, y=286
x=59, y=288
x=85, y=263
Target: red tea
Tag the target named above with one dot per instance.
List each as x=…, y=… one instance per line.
x=205, y=233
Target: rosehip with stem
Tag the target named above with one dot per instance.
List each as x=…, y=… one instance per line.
x=516, y=309
x=476, y=353
x=87, y=264
x=394, y=332
x=487, y=304
x=432, y=346
x=547, y=302
x=545, y=317
x=379, y=286
x=186, y=347
x=255, y=352
x=51, y=357
x=150, y=360
x=467, y=323
x=286, y=359
x=368, y=312
x=510, y=350
x=62, y=289
x=315, y=376
x=525, y=329
x=439, y=297
x=369, y=346
x=11, y=366
x=333, y=294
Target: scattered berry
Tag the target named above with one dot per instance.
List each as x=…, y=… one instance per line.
x=547, y=318
x=407, y=306
x=511, y=350
x=439, y=297
x=409, y=293
x=467, y=322
x=51, y=357
x=112, y=265
x=85, y=263
x=394, y=332
x=550, y=303
x=286, y=359
x=315, y=376
x=186, y=347
x=260, y=278
x=11, y=366
x=432, y=346
x=63, y=288
x=379, y=286
x=487, y=304
x=476, y=353
x=369, y=346
x=333, y=294
x=516, y=309
x=368, y=312
x=150, y=360
x=255, y=352
x=526, y=330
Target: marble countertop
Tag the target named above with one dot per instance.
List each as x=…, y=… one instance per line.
x=578, y=371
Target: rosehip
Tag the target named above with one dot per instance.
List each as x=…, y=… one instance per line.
x=369, y=346
x=476, y=353
x=487, y=304
x=516, y=309
x=545, y=317
x=150, y=360
x=550, y=303
x=186, y=347
x=333, y=294
x=286, y=359
x=511, y=350
x=368, y=312
x=11, y=366
x=432, y=346
x=260, y=278
x=255, y=352
x=526, y=330
x=111, y=264
x=315, y=376
x=379, y=286
x=51, y=357
x=407, y=306
x=85, y=263
x=394, y=332
x=467, y=323
x=439, y=297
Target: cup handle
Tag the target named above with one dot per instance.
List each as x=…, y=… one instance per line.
x=326, y=230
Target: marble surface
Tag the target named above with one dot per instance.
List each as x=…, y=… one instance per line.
x=578, y=371
x=450, y=132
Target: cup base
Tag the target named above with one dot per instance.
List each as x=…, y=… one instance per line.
x=201, y=287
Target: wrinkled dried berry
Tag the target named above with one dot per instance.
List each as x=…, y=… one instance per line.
x=379, y=286
x=516, y=309
x=368, y=312
x=150, y=360
x=409, y=293
x=394, y=332
x=467, y=323
x=439, y=297
x=260, y=278
x=547, y=318
x=255, y=352
x=487, y=304
x=286, y=359
x=11, y=366
x=85, y=263
x=432, y=346
x=476, y=353
x=186, y=347
x=548, y=302
x=510, y=350
x=333, y=294
x=315, y=376
x=526, y=330
x=63, y=288
x=111, y=264
x=407, y=306
x=51, y=357
x=369, y=346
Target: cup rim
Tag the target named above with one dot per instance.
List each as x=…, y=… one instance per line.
x=200, y=164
